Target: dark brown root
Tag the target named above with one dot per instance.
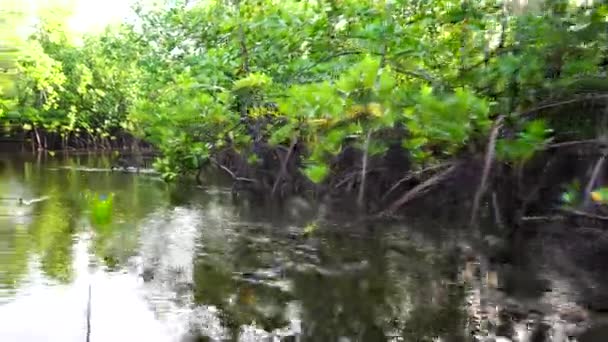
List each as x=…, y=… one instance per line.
x=489, y=160
x=39, y=139
x=419, y=189
x=232, y=174
x=277, y=173
x=580, y=213
x=592, y=181
x=361, y=195
x=574, y=143
x=283, y=170
x=413, y=174
x=497, y=213
x=548, y=218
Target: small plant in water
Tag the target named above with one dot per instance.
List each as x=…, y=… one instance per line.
x=600, y=195
x=310, y=228
x=101, y=207
x=571, y=197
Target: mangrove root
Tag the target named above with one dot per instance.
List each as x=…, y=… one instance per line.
x=361, y=195
x=414, y=174
x=596, y=171
x=229, y=172
x=489, y=160
x=419, y=189
x=283, y=170
x=581, y=213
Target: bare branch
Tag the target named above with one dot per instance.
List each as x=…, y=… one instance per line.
x=417, y=74
x=327, y=59
x=562, y=103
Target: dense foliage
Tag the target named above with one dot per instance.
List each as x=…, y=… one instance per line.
x=199, y=79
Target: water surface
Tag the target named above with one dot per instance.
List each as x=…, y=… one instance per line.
x=180, y=263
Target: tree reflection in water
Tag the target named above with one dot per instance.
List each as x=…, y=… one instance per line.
x=224, y=268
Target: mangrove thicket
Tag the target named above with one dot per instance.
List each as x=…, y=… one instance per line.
x=376, y=101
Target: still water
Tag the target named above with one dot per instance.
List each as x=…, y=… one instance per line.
x=181, y=263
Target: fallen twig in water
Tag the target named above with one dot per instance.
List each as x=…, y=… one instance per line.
x=418, y=189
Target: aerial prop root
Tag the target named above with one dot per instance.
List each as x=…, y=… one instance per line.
x=487, y=168
x=232, y=174
x=419, y=190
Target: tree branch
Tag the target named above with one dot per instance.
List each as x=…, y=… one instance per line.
x=327, y=59
x=561, y=103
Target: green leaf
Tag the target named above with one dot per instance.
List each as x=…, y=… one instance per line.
x=317, y=173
